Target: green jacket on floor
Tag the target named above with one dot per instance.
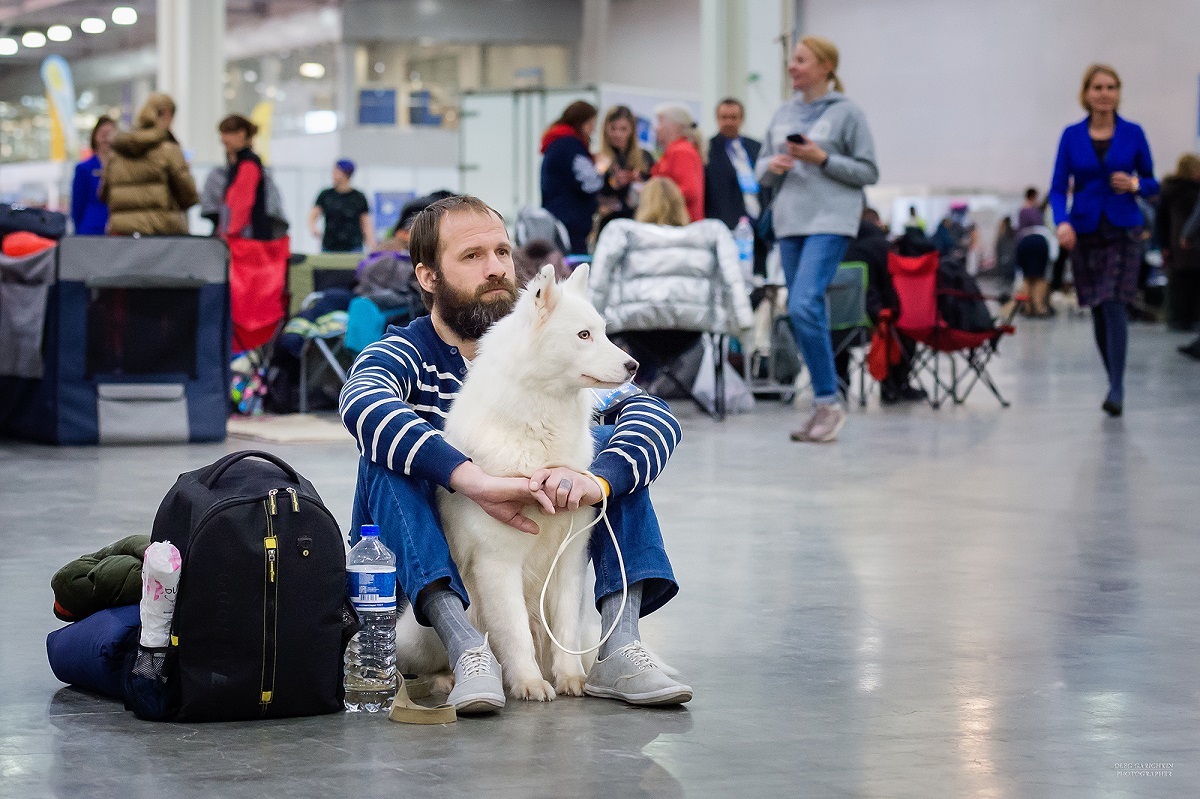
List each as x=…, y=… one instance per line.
x=105, y=579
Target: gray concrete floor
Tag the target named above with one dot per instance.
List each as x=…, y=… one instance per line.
x=963, y=602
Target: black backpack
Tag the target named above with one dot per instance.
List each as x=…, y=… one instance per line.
x=261, y=620
x=960, y=301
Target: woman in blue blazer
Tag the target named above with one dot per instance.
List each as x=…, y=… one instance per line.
x=88, y=211
x=1103, y=163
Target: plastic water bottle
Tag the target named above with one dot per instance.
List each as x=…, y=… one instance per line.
x=371, y=655
x=743, y=234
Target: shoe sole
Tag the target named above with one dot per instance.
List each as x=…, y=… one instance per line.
x=667, y=696
x=478, y=705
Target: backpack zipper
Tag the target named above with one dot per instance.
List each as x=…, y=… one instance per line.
x=270, y=602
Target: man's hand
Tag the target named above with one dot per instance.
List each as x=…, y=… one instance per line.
x=566, y=488
x=502, y=498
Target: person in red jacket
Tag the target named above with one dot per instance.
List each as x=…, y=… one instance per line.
x=245, y=198
x=258, y=251
x=681, y=161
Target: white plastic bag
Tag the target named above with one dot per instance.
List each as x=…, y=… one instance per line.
x=738, y=398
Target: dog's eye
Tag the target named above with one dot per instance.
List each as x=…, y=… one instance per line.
x=585, y=334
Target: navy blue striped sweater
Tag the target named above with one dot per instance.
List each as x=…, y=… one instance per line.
x=401, y=387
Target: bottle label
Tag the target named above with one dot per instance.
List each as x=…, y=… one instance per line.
x=372, y=587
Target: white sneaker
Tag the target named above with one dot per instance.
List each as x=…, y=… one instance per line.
x=631, y=675
x=478, y=682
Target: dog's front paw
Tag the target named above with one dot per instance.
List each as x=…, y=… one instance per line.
x=570, y=684
x=533, y=690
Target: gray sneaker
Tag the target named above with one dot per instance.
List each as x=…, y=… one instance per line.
x=478, y=682
x=827, y=421
x=802, y=433
x=631, y=675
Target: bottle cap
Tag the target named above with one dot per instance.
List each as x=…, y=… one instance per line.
x=368, y=530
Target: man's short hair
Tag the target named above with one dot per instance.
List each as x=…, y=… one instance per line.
x=424, y=242
x=732, y=101
x=1031, y=193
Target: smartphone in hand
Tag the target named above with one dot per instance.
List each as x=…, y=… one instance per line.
x=796, y=138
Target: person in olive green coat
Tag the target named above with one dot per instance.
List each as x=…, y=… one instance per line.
x=147, y=183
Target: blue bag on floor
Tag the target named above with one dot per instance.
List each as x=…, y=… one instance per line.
x=91, y=653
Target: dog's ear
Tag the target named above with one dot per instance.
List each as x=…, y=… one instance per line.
x=545, y=292
x=578, y=281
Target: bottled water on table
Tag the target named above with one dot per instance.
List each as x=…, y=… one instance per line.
x=371, y=655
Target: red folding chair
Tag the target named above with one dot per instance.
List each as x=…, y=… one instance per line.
x=915, y=281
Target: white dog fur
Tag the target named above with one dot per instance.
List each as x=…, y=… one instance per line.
x=522, y=407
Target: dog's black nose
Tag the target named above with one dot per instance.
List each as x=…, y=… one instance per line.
x=631, y=367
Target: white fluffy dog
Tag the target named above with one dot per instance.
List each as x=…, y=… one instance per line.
x=524, y=406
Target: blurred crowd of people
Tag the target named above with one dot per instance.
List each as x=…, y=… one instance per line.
x=800, y=190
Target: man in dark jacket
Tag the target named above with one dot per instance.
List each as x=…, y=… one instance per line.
x=730, y=188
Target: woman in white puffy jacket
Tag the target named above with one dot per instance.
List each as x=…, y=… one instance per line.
x=659, y=286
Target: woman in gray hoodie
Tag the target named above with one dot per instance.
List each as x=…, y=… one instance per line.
x=817, y=156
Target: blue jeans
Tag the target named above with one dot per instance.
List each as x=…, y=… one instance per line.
x=809, y=265
x=405, y=508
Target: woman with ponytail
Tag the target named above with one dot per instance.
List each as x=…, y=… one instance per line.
x=681, y=160
x=817, y=156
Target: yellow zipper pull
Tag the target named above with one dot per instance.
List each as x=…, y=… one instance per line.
x=272, y=545
x=295, y=500
x=271, y=500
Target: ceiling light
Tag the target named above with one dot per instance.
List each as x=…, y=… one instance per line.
x=8, y=46
x=124, y=15
x=59, y=33
x=33, y=39
x=311, y=69
x=92, y=25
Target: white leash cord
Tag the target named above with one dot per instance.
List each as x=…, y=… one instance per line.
x=572, y=534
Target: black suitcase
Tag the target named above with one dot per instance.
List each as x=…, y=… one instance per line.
x=261, y=620
x=17, y=218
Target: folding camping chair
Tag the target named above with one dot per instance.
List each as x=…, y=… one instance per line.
x=624, y=285
x=534, y=223
x=849, y=324
x=915, y=281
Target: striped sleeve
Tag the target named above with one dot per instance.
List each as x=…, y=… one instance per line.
x=374, y=406
x=645, y=435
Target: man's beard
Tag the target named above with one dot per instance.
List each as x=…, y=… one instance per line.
x=469, y=315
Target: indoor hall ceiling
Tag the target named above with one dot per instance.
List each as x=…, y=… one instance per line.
x=19, y=16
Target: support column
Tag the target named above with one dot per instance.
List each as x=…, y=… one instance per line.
x=742, y=56
x=593, y=45
x=714, y=61
x=191, y=68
